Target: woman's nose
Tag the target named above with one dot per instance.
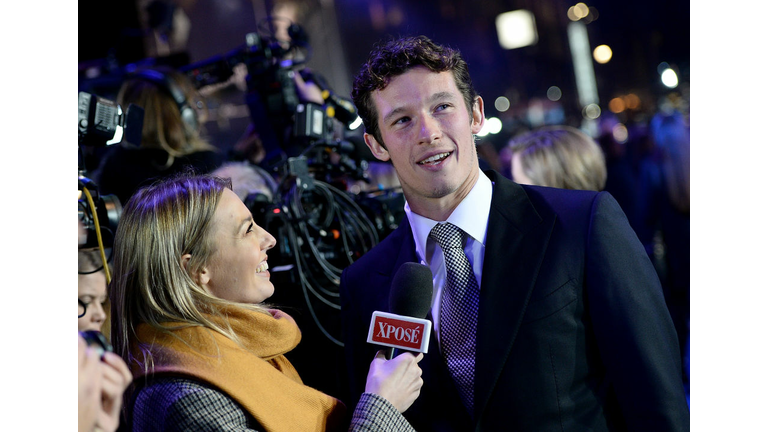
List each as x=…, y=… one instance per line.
x=267, y=241
x=98, y=312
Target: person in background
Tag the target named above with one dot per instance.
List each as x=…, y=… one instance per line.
x=665, y=204
x=171, y=139
x=547, y=312
x=102, y=376
x=558, y=156
x=102, y=379
x=207, y=353
x=91, y=290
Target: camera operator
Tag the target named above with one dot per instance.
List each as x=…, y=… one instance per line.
x=171, y=136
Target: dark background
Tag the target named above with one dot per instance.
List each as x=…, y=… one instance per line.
x=342, y=32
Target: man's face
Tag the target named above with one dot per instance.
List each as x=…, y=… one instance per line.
x=427, y=133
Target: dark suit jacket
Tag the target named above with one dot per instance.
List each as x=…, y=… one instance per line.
x=573, y=332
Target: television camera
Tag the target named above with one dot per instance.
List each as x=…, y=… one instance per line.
x=101, y=122
x=285, y=123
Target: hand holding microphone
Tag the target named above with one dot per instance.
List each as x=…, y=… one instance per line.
x=397, y=380
x=404, y=327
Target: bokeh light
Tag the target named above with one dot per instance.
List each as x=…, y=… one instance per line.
x=572, y=14
x=554, y=93
x=494, y=125
x=501, y=104
x=591, y=111
x=620, y=133
x=602, y=54
x=581, y=10
x=617, y=105
x=632, y=101
x=669, y=78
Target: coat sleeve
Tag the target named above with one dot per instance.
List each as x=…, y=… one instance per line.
x=633, y=328
x=182, y=405
x=373, y=413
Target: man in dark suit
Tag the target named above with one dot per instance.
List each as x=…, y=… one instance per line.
x=570, y=331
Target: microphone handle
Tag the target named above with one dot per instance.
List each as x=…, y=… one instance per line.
x=393, y=352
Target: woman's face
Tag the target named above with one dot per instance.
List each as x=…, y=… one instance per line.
x=238, y=270
x=92, y=292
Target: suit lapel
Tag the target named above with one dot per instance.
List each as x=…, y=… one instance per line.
x=517, y=239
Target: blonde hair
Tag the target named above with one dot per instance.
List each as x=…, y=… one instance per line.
x=562, y=157
x=159, y=224
x=164, y=128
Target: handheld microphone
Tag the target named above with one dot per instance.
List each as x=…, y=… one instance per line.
x=410, y=299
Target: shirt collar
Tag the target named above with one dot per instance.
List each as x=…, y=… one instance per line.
x=471, y=215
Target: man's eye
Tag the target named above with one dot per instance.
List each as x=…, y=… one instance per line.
x=402, y=120
x=442, y=107
x=250, y=228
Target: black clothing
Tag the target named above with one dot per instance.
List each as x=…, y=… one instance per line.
x=124, y=170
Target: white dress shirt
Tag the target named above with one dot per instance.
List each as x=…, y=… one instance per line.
x=471, y=216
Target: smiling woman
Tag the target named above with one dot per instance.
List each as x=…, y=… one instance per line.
x=190, y=281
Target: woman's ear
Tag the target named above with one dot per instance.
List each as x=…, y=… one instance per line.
x=202, y=276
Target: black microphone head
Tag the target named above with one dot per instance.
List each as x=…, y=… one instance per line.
x=411, y=292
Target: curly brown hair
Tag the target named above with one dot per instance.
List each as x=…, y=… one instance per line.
x=395, y=57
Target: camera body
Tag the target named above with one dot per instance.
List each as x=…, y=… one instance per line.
x=102, y=122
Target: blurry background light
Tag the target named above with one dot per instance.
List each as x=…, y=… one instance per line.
x=620, y=133
x=494, y=125
x=580, y=10
x=572, y=14
x=591, y=111
x=516, y=29
x=501, y=104
x=669, y=78
x=632, y=101
x=554, y=93
x=602, y=54
x=616, y=105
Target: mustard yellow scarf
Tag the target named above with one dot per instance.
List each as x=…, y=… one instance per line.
x=257, y=375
